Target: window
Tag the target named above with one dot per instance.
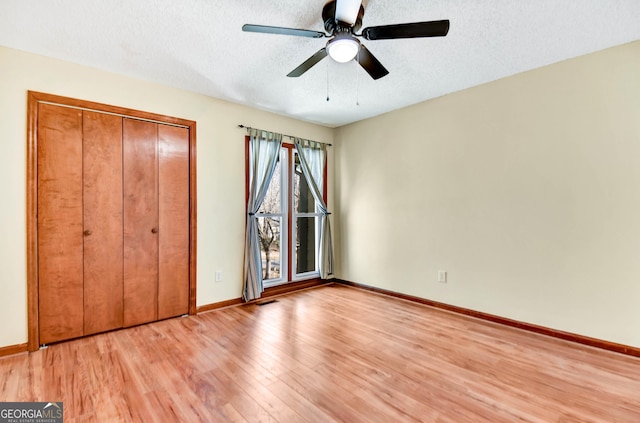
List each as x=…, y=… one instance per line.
x=305, y=219
x=272, y=224
x=288, y=224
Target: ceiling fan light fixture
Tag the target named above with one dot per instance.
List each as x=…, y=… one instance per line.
x=343, y=49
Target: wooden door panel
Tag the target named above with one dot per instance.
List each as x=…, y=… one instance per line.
x=59, y=223
x=140, y=162
x=173, y=210
x=103, y=286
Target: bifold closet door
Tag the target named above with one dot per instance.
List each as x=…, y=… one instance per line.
x=59, y=224
x=156, y=221
x=102, y=164
x=79, y=222
x=140, y=165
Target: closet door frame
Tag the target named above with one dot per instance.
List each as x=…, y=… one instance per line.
x=34, y=99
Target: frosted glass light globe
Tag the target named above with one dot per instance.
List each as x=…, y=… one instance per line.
x=343, y=49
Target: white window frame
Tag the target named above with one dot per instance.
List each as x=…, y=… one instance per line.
x=284, y=222
x=316, y=272
x=288, y=221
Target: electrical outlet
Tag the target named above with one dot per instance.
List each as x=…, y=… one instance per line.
x=218, y=276
x=442, y=276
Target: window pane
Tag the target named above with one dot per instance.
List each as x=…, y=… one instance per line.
x=305, y=244
x=272, y=201
x=302, y=196
x=270, y=245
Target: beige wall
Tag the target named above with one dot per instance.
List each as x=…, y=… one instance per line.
x=220, y=169
x=525, y=190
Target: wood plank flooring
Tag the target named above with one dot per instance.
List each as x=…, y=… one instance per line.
x=329, y=354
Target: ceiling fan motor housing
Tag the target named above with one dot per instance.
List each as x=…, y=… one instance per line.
x=331, y=24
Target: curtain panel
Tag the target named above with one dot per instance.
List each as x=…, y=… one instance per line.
x=313, y=156
x=264, y=150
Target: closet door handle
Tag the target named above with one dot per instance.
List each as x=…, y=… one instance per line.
x=154, y=230
x=87, y=232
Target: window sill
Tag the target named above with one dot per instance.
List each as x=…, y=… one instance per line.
x=285, y=288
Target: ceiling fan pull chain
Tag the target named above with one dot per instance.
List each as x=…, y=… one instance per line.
x=327, y=81
x=357, y=81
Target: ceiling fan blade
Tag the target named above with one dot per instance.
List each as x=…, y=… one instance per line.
x=284, y=31
x=347, y=10
x=408, y=30
x=373, y=67
x=308, y=64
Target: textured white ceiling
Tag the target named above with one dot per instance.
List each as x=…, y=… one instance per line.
x=198, y=45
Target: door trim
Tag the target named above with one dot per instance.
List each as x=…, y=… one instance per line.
x=33, y=100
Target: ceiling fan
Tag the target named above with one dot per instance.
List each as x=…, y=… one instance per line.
x=342, y=18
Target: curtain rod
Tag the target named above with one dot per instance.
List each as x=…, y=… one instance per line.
x=284, y=135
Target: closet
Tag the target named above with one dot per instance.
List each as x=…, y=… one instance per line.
x=113, y=225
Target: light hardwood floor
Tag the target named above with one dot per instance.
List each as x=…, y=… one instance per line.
x=330, y=354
